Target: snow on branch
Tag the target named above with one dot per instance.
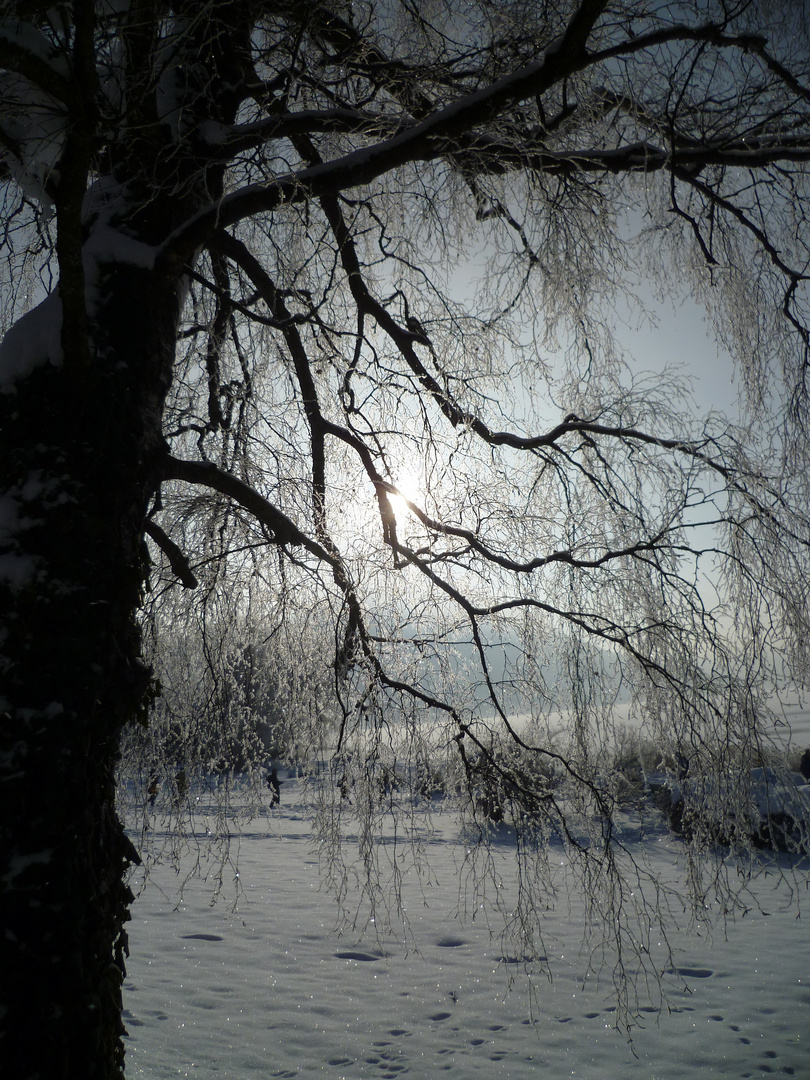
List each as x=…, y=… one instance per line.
x=24, y=50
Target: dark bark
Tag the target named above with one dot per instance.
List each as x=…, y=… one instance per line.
x=81, y=456
x=79, y=451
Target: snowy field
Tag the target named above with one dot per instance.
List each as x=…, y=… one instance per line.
x=272, y=990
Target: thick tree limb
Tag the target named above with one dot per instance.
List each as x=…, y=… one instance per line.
x=177, y=559
x=205, y=474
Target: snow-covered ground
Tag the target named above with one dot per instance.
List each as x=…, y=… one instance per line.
x=272, y=991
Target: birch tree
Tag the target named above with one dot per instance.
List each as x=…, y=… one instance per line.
x=326, y=294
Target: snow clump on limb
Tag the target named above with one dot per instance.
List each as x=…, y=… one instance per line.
x=33, y=341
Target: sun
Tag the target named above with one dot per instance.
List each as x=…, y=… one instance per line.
x=410, y=491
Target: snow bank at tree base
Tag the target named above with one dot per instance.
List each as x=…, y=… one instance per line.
x=270, y=990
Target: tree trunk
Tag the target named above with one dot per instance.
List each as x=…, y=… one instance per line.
x=80, y=449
